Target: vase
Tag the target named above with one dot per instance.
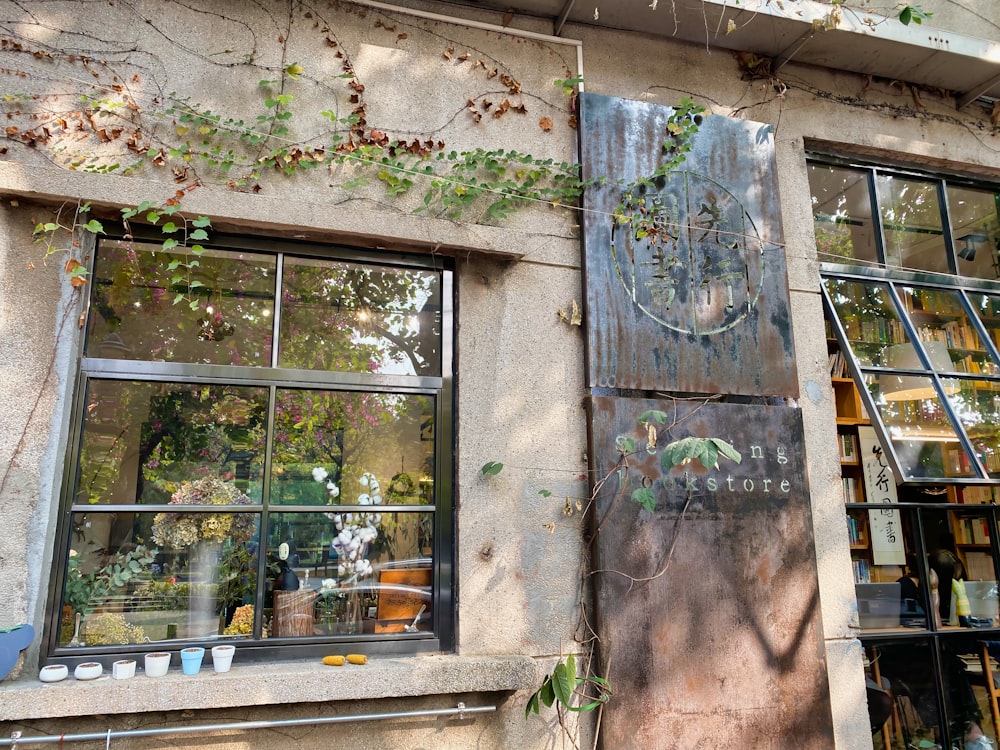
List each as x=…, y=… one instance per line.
x=191, y=659
x=222, y=657
x=157, y=664
x=123, y=669
x=53, y=673
x=90, y=670
x=339, y=615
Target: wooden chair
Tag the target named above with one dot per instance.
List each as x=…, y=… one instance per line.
x=992, y=690
x=892, y=726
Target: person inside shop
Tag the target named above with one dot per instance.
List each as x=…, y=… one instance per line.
x=945, y=574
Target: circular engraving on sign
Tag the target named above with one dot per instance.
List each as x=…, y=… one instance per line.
x=688, y=254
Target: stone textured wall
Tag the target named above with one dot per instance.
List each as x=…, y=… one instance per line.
x=519, y=368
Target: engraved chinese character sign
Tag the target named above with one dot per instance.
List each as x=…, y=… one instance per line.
x=686, y=283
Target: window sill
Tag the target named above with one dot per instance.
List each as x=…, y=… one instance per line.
x=267, y=684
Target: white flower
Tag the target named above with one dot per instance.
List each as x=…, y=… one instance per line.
x=364, y=499
x=345, y=537
x=329, y=584
x=364, y=480
x=319, y=474
x=333, y=489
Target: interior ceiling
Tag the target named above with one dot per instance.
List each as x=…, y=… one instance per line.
x=966, y=66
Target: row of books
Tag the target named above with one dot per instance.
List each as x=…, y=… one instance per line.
x=954, y=334
x=881, y=330
x=979, y=566
x=862, y=571
x=977, y=495
x=856, y=530
x=848, y=444
x=934, y=301
x=972, y=530
x=850, y=486
x=838, y=365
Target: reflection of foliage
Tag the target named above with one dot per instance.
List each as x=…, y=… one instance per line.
x=190, y=425
x=111, y=628
x=237, y=570
x=84, y=591
x=372, y=318
x=834, y=240
x=181, y=530
x=163, y=595
x=242, y=622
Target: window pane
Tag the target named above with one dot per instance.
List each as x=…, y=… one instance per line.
x=870, y=320
x=128, y=587
x=134, y=313
x=883, y=552
x=923, y=437
x=975, y=230
x=352, y=318
x=911, y=223
x=341, y=436
x=360, y=570
x=987, y=307
x=842, y=213
x=906, y=670
x=952, y=342
x=977, y=406
x=141, y=440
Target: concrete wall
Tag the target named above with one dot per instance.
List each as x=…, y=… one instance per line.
x=519, y=368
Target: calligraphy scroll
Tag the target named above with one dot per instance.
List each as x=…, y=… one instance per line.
x=888, y=547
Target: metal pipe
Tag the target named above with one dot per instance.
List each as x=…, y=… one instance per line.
x=466, y=22
x=460, y=710
x=563, y=15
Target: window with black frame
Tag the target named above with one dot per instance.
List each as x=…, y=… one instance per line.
x=263, y=453
x=909, y=273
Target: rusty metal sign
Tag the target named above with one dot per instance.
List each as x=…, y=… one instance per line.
x=685, y=275
x=719, y=643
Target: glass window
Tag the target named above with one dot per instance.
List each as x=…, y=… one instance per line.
x=912, y=223
x=842, y=213
x=919, y=439
x=872, y=216
x=975, y=231
x=928, y=366
x=263, y=454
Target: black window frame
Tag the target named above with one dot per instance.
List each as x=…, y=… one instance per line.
x=441, y=639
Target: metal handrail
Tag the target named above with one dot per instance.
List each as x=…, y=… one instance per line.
x=461, y=710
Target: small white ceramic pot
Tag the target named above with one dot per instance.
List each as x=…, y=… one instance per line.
x=53, y=673
x=89, y=670
x=123, y=669
x=222, y=657
x=157, y=664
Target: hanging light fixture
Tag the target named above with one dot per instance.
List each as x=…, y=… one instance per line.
x=916, y=387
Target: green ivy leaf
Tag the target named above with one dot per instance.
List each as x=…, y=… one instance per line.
x=94, y=227
x=625, y=444
x=491, y=468
x=727, y=450
x=545, y=493
x=645, y=497
x=198, y=234
x=653, y=415
x=564, y=680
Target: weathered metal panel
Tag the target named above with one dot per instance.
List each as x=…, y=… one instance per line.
x=689, y=293
x=722, y=647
